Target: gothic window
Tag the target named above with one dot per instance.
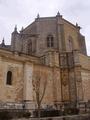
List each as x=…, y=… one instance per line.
x=50, y=41
x=9, y=78
x=70, y=44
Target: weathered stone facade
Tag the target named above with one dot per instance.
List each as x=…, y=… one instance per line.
x=55, y=48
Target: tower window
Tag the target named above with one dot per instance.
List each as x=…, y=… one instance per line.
x=9, y=78
x=50, y=41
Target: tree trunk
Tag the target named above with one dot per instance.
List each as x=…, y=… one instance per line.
x=39, y=111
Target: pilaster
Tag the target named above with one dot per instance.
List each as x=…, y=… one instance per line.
x=60, y=34
x=28, y=87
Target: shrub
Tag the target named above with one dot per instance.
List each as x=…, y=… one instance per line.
x=47, y=113
x=26, y=114
x=8, y=115
x=4, y=115
x=71, y=111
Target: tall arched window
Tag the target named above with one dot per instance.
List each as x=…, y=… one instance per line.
x=9, y=78
x=70, y=43
x=50, y=41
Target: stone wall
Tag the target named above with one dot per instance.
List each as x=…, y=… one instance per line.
x=53, y=87
x=23, y=69
x=14, y=92
x=21, y=87
x=85, y=74
x=71, y=31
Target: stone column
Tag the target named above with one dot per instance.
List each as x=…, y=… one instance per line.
x=72, y=85
x=79, y=88
x=56, y=59
x=65, y=85
x=28, y=87
x=77, y=70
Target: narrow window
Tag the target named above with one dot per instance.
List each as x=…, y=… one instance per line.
x=50, y=41
x=9, y=78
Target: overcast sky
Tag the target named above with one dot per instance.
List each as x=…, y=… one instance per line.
x=23, y=12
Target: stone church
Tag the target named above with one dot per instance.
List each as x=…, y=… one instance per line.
x=56, y=50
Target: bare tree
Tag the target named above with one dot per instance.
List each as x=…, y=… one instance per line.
x=39, y=87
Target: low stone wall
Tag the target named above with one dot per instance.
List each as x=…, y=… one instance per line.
x=73, y=117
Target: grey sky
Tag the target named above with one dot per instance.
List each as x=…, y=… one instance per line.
x=23, y=12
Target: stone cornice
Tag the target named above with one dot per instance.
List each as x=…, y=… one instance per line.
x=8, y=55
